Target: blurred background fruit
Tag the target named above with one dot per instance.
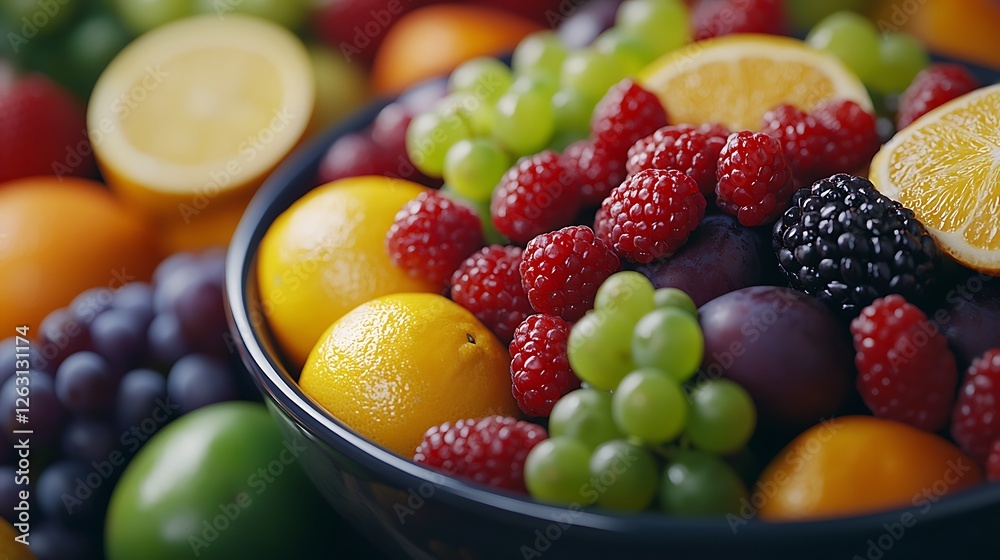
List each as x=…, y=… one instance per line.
x=58, y=238
x=963, y=29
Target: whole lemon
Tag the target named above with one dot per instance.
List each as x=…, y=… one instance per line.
x=326, y=255
x=399, y=364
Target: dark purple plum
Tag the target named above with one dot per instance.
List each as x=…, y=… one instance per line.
x=587, y=22
x=784, y=347
x=970, y=317
x=721, y=256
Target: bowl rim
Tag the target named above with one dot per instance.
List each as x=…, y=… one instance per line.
x=275, y=382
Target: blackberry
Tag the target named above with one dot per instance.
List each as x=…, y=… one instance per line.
x=847, y=244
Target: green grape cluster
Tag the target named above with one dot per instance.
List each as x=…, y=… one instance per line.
x=886, y=63
x=495, y=114
x=643, y=430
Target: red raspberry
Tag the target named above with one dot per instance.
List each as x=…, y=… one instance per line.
x=651, y=215
x=993, y=463
x=975, y=422
x=715, y=18
x=598, y=170
x=625, y=115
x=539, y=368
x=489, y=451
x=803, y=140
x=853, y=136
x=489, y=285
x=934, y=86
x=755, y=182
x=432, y=235
x=562, y=270
x=43, y=130
x=694, y=153
x=641, y=153
x=906, y=371
x=539, y=194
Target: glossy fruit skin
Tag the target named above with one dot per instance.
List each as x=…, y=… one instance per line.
x=223, y=466
x=855, y=465
x=785, y=348
x=755, y=180
x=975, y=425
x=934, y=86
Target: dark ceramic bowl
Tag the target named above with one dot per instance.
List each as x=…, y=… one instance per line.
x=412, y=512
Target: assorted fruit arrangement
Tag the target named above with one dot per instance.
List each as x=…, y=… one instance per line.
x=663, y=257
x=693, y=252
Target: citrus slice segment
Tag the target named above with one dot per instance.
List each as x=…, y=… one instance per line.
x=189, y=118
x=945, y=167
x=735, y=79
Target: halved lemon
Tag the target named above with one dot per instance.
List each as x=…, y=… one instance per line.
x=945, y=167
x=735, y=79
x=188, y=120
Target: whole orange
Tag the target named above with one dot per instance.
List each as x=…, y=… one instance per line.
x=60, y=238
x=857, y=465
x=432, y=41
x=964, y=29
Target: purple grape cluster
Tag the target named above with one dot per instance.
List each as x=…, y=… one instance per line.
x=107, y=372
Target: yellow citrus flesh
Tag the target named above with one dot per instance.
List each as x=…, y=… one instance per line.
x=945, y=167
x=326, y=255
x=190, y=118
x=398, y=365
x=734, y=80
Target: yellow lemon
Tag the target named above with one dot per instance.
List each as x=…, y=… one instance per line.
x=399, y=364
x=735, y=79
x=188, y=120
x=945, y=167
x=326, y=255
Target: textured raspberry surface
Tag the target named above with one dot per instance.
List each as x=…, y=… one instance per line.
x=488, y=284
x=625, y=115
x=432, y=235
x=715, y=18
x=539, y=367
x=934, y=86
x=539, y=194
x=975, y=423
x=754, y=179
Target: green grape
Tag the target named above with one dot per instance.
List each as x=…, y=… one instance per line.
x=670, y=340
x=625, y=476
x=600, y=348
x=91, y=46
x=804, y=14
x=557, y=470
x=850, y=37
x=479, y=115
x=288, y=13
x=31, y=18
x=585, y=416
x=901, y=58
x=696, y=484
x=592, y=73
x=660, y=25
x=484, y=77
x=142, y=15
x=722, y=417
x=650, y=405
x=632, y=52
x=473, y=167
x=573, y=111
x=672, y=297
x=482, y=208
x=431, y=135
x=625, y=292
x=546, y=85
x=539, y=53
x=524, y=122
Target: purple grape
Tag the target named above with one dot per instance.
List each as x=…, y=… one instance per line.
x=142, y=395
x=60, y=334
x=86, y=383
x=970, y=317
x=172, y=265
x=9, y=358
x=120, y=336
x=198, y=380
x=202, y=313
x=89, y=440
x=784, y=347
x=91, y=303
x=166, y=339
x=45, y=414
x=422, y=97
x=72, y=493
x=10, y=492
x=136, y=298
x=54, y=541
x=213, y=265
x=587, y=22
x=720, y=257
